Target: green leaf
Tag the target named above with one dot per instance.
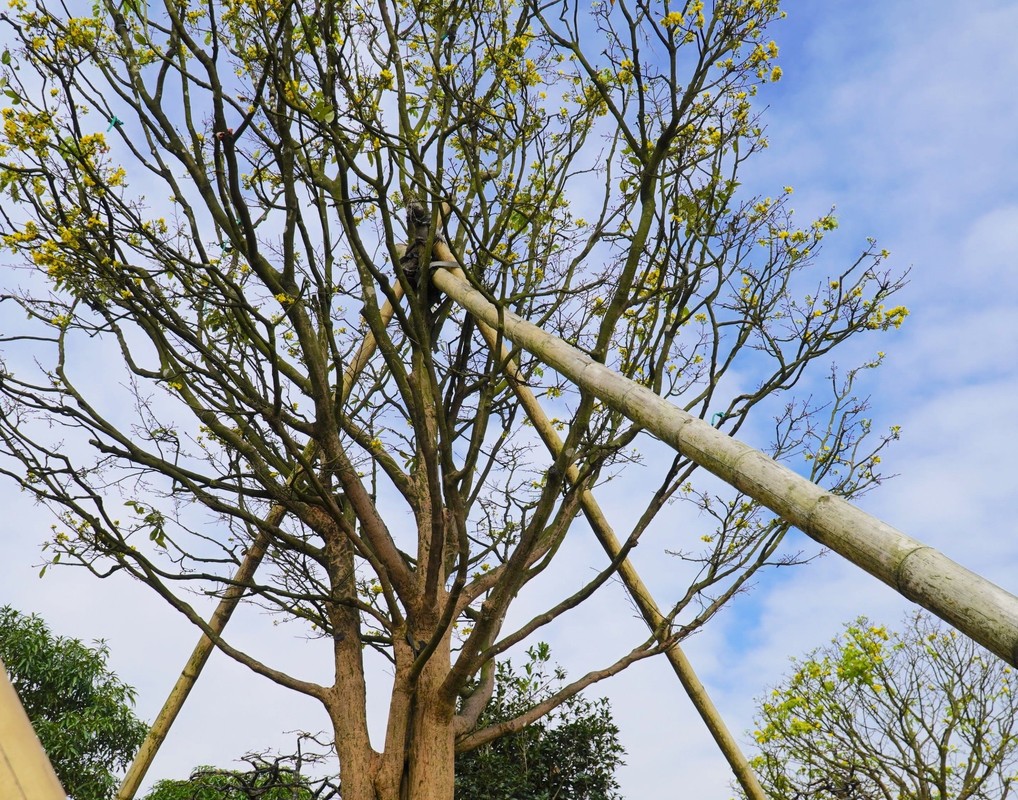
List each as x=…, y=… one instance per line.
x=323, y=112
x=518, y=221
x=80, y=710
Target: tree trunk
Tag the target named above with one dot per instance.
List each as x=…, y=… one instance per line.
x=419, y=758
x=431, y=753
x=358, y=762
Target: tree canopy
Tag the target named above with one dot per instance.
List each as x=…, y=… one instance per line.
x=877, y=714
x=80, y=710
x=227, y=202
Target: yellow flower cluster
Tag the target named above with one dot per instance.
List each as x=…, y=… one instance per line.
x=27, y=130
x=674, y=19
x=28, y=234
x=80, y=33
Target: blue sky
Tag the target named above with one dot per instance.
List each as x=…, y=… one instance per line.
x=904, y=116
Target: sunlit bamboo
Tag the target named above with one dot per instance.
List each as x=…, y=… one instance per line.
x=972, y=604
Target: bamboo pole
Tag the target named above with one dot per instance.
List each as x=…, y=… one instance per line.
x=627, y=571
x=233, y=594
x=975, y=606
x=25, y=771
x=638, y=590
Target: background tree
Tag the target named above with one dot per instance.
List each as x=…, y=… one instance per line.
x=80, y=710
x=922, y=713
x=258, y=783
x=572, y=752
x=266, y=778
x=226, y=199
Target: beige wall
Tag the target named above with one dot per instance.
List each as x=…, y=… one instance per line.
x=25, y=771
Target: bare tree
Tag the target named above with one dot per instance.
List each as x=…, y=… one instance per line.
x=221, y=202
x=266, y=776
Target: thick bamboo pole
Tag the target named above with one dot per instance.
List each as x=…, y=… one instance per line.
x=975, y=606
x=627, y=571
x=25, y=771
x=638, y=591
x=231, y=597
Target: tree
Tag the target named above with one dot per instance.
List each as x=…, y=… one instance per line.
x=922, y=713
x=268, y=778
x=79, y=709
x=208, y=783
x=571, y=753
x=230, y=201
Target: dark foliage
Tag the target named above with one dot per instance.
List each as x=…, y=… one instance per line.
x=571, y=753
x=80, y=710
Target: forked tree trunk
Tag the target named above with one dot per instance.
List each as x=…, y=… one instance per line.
x=418, y=762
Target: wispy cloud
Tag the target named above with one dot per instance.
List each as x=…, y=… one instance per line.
x=902, y=115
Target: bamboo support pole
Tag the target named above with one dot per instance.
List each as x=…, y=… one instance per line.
x=627, y=571
x=975, y=606
x=25, y=771
x=232, y=596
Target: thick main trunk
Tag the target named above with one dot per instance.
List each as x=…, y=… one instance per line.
x=431, y=752
x=419, y=758
x=347, y=710
x=422, y=769
x=346, y=702
x=358, y=762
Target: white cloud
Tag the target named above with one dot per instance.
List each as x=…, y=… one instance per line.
x=897, y=113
